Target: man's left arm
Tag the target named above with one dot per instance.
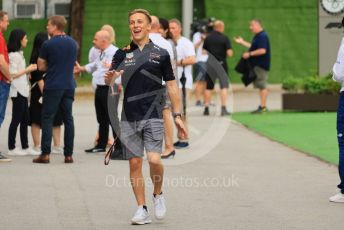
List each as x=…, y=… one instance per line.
x=173, y=93
x=190, y=60
x=261, y=50
x=42, y=64
x=229, y=50
x=190, y=57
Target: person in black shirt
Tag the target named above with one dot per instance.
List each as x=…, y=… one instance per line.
x=219, y=48
x=142, y=66
x=259, y=56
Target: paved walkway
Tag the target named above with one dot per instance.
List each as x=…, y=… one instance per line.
x=229, y=178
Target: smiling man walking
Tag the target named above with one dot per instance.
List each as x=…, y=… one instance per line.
x=143, y=65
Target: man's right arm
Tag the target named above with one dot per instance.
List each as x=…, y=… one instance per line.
x=242, y=42
x=115, y=69
x=4, y=68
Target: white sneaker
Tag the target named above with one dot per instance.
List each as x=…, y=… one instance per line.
x=338, y=198
x=17, y=152
x=57, y=150
x=159, y=207
x=141, y=216
x=34, y=151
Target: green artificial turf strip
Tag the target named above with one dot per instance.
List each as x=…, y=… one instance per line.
x=312, y=133
x=300, y=28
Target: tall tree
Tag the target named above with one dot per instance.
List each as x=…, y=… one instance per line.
x=77, y=21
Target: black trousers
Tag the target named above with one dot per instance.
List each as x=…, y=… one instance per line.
x=20, y=115
x=102, y=112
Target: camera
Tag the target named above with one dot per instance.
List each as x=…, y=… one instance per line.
x=202, y=26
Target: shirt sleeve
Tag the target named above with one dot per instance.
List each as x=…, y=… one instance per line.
x=90, y=67
x=228, y=44
x=166, y=68
x=14, y=63
x=117, y=60
x=190, y=49
x=338, y=67
x=262, y=43
x=2, y=47
x=93, y=54
x=44, y=51
x=196, y=38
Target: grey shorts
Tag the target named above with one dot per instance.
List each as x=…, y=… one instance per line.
x=142, y=135
x=261, y=81
x=200, y=71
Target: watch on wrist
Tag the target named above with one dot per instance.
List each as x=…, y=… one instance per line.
x=175, y=115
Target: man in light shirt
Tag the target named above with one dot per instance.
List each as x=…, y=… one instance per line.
x=157, y=39
x=5, y=76
x=338, y=75
x=186, y=57
x=200, y=67
x=98, y=68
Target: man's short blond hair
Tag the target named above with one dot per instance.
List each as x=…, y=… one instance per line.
x=141, y=11
x=59, y=21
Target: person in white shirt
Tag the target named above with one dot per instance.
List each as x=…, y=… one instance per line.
x=200, y=66
x=94, y=52
x=338, y=75
x=186, y=57
x=157, y=39
x=98, y=68
x=19, y=91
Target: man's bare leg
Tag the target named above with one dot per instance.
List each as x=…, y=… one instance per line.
x=136, y=179
x=156, y=171
x=224, y=96
x=263, y=93
x=199, y=90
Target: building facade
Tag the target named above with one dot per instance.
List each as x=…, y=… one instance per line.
x=35, y=9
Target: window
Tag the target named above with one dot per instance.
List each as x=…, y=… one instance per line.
x=25, y=10
x=62, y=9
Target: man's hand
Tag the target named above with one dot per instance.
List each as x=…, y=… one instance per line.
x=106, y=64
x=238, y=40
x=9, y=81
x=77, y=68
x=111, y=76
x=182, y=132
x=246, y=55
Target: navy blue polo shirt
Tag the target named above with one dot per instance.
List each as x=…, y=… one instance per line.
x=142, y=80
x=60, y=53
x=261, y=40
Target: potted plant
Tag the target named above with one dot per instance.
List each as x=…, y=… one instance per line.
x=310, y=94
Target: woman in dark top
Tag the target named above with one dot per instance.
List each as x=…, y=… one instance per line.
x=37, y=85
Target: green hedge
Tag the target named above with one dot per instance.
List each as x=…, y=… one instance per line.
x=115, y=13
x=292, y=26
x=31, y=27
